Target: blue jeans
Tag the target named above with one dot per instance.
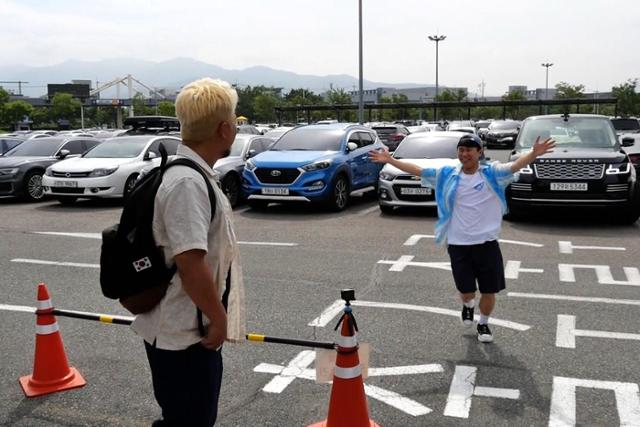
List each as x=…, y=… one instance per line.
x=186, y=385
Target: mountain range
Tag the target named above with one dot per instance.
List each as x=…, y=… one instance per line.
x=172, y=75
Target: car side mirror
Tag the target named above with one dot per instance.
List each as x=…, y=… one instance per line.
x=351, y=146
x=628, y=142
x=250, y=154
x=63, y=153
x=150, y=155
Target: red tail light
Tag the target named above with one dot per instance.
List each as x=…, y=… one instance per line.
x=397, y=137
x=635, y=158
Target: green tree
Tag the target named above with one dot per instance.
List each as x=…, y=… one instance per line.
x=566, y=91
x=628, y=98
x=452, y=113
x=15, y=111
x=517, y=112
x=166, y=108
x=65, y=106
x=40, y=118
x=341, y=97
x=264, y=107
x=139, y=105
x=4, y=97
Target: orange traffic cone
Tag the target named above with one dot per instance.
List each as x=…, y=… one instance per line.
x=51, y=371
x=348, y=403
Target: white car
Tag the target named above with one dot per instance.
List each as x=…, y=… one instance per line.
x=426, y=150
x=108, y=170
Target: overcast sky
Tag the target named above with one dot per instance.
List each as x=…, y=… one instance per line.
x=590, y=42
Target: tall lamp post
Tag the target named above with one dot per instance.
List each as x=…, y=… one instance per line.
x=546, y=84
x=360, y=95
x=436, y=39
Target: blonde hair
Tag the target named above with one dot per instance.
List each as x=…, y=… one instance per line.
x=202, y=105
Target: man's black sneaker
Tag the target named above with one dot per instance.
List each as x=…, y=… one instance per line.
x=467, y=315
x=484, y=333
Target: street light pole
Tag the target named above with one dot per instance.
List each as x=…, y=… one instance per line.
x=360, y=95
x=437, y=39
x=546, y=85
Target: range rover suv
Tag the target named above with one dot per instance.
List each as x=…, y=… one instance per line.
x=588, y=168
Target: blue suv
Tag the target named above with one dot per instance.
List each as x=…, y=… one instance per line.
x=315, y=163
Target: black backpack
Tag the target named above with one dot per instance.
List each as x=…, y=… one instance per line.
x=132, y=266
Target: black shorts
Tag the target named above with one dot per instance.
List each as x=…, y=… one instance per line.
x=482, y=263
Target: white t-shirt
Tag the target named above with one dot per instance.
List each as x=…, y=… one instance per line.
x=182, y=221
x=477, y=213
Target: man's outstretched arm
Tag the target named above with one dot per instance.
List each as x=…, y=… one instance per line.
x=383, y=156
x=539, y=148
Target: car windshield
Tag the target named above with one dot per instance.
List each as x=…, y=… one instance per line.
x=593, y=132
x=504, y=125
x=428, y=148
x=118, y=148
x=632, y=125
x=462, y=124
x=238, y=145
x=310, y=140
x=40, y=147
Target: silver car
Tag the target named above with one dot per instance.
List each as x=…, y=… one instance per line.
x=426, y=150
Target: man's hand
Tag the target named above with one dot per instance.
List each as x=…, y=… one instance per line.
x=215, y=337
x=543, y=147
x=380, y=156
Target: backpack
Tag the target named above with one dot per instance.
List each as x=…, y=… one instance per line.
x=132, y=266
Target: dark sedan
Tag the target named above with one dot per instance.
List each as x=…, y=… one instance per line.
x=502, y=133
x=21, y=169
x=230, y=168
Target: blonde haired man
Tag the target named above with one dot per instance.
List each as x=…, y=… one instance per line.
x=186, y=367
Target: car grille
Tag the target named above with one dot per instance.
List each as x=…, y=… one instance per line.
x=569, y=171
x=70, y=174
x=286, y=176
x=613, y=188
x=407, y=178
x=520, y=187
x=67, y=190
x=412, y=197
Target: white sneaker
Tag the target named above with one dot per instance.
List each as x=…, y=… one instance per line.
x=484, y=333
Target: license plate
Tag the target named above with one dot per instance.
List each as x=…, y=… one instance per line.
x=568, y=186
x=418, y=191
x=275, y=191
x=65, y=184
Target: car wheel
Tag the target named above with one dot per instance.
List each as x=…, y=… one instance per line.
x=231, y=187
x=66, y=201
x=339, y=198
x=388, y=210
x=129, y=185
x=32, y=183
x=258, y=205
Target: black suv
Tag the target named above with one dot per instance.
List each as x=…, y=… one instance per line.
x=588, y=168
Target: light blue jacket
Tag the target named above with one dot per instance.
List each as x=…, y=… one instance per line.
x=445, y=183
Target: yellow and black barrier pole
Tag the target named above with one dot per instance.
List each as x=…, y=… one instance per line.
x=290, y=341
x=104, y=318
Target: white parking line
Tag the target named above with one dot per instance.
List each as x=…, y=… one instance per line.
x=98, y=236
x=20, y=308
x=368, y=211
x=411, y=241
x=574, y=298
x=56, y=263
x=334, y=309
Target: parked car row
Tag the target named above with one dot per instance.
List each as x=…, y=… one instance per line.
x=328, y=163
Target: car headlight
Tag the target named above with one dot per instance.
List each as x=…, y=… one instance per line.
x=103, y=172
x=48, y=171
x=322, y=164
x=386, y=176
x=9, y=171
x=249, y=166
x=619, y=169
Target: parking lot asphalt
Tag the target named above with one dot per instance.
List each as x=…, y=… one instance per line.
x=566, y=328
